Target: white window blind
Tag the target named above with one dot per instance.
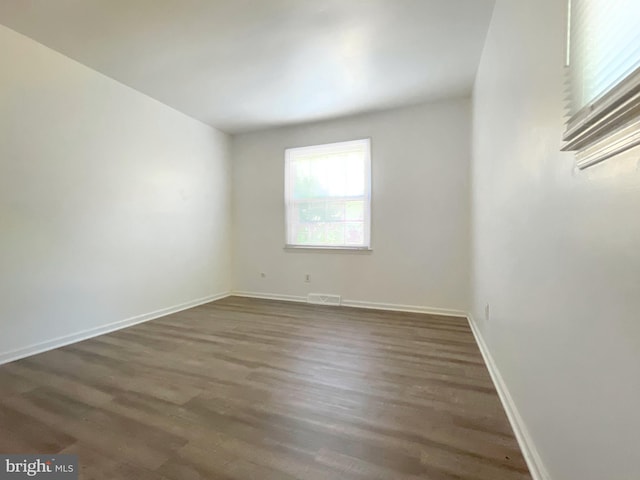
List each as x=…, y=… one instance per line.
x=604, y=47
x=328, y=195
x=604, y=72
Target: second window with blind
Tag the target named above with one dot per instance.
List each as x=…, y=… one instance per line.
x=604, y=70
x=328, y=195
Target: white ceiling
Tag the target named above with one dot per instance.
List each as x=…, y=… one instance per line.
x=242, y=65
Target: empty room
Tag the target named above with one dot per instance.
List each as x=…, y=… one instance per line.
x=320, y=239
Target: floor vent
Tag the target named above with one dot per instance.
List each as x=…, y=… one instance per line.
x=322, y=299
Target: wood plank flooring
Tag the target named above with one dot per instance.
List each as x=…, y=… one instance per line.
x=257, y=389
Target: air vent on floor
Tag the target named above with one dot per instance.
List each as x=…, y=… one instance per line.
x=322, y=299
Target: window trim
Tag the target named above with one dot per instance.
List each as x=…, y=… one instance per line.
x=327, y=248
x=368, y=196
x=608, y=126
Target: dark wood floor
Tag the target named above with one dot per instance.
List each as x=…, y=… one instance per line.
x=257, y=389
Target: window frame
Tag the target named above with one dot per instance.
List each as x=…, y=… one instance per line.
x=367, y=198
x=608, y=125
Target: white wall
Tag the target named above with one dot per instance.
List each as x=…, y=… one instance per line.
x=556, y=254
x=111, y=204
x=420, y=208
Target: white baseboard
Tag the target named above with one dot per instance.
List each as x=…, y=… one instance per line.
x=360, y=304
x=529, y=451
x=271, y=296
x=23, y=352
x=404, y=308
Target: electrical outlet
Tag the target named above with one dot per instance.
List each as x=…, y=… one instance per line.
x=486, y=312
x=307, y=278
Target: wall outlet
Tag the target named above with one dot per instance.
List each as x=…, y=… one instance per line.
x=487, y=312
x=307, y=278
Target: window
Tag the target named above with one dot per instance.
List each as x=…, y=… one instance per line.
x=328, y=195
x=604, y=71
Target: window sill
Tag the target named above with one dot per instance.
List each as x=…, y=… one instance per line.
x=320, y=249
x=618, y=142
x=608, y=127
